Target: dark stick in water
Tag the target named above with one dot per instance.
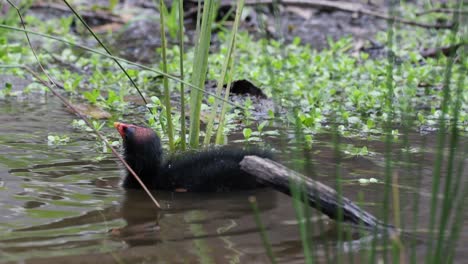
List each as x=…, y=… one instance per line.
x=319, y=195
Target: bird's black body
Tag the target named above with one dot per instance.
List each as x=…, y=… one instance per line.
x=211, y=170
x=218, y=169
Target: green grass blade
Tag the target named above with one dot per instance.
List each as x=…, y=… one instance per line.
x=338, y=186
x=449, y=195
x=263, y=234
x=226, y=65
x=200, y=246
x=183, y=132
x=197, y=27
x=167, y=96
x=460, y=213
x=388, y=125
x=220, y=132
x=200, y=67
x=296, y=193
x=440, y=144
x=300, y=203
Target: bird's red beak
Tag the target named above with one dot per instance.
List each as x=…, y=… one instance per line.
x=120, y=127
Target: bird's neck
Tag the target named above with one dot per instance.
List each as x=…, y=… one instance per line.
x=146, y=164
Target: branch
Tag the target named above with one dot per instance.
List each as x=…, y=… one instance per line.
x=354, y=8
x=345, y=7
x=442, y=10
x=101, y=15
x=445, y=50
x=320, y=196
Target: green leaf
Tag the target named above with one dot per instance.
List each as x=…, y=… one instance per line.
x=247, y=132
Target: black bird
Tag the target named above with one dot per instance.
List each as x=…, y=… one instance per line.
x=210, y=170
x=218, y=170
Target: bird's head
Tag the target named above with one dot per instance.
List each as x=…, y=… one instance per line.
x=137, y=138
x=142, y=148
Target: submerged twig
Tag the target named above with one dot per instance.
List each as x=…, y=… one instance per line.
x=68, y=104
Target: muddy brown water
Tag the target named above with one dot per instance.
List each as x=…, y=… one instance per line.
x=63, y=203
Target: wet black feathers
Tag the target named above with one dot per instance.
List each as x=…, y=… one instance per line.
x=211, y=170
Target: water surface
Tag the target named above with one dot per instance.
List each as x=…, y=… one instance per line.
x=63, y=203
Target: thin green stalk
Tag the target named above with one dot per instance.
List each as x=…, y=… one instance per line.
x=408, y=167
x=458, y=204
x=119, y=59
x=414, y=242
x=307, y=224
x=350, y=252
x=167, y=100
x=183, y=132
x=226, y=64
x=200, y=67
x=406, y=162
x=460, y=214
x=263, y=233
x=396, y=244
x=396, y=201
x=449, y=195
x=361, y=227
x=388, y=126
x=338, y=186
x=296, y=193
x=201, y=248
x=197, y=27
x=108, y=52
x=338, y=179
x=309, y=167
x=220, y=23
x=448, y=200
x=441, y=141
x=220, y=132
x=456, y=187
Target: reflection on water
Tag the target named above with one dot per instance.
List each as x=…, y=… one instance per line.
x=62, y=201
